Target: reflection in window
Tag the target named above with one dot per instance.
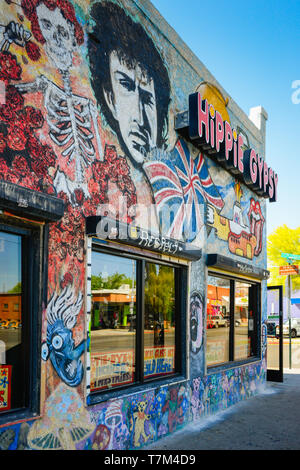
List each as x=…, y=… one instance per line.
x=232, y=317
x=159, y=332
x=113, y=322
x=217, y=321
x=242, y=340
x=12, y=389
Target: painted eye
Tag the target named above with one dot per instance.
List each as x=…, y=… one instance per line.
x=57, y=342
x=45, y=351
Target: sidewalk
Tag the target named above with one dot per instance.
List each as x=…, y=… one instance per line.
x=268, y=421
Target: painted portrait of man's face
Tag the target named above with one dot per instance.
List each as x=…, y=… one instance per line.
x=133, y=105
x=130, y=81
x=59, y=36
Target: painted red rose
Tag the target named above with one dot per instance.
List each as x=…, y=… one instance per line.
x=16, y=138
x=33, y=117
x=48, y=155
x=39, y=166
x=13, y=103
x=20, y=164
x=34, y=146
x=33, y=51
x=67, y=280
x=2, y=142
x=79, y=196
x=9, y=67
x=3, y=168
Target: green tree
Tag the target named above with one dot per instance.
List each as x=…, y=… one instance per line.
x=282, y=240
x=159, y=291
x=17, y=289
x=114, y=281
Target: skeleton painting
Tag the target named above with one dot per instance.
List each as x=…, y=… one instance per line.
x=72, y=119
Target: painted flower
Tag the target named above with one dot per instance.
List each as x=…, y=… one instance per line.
x=9, y=68
x=20, y=164
x=2, y=142
x=13, y=102
x=16, y=138
x=33, y=117
x=33, y=51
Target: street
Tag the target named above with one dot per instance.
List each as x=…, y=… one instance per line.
x=110, y=340
x=273, y=353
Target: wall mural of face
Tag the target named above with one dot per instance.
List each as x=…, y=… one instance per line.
x=196, y=322
x=130, y=81
x=133, y=105
x=59, y=36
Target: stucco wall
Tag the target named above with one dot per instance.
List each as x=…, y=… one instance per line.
x=61, y=133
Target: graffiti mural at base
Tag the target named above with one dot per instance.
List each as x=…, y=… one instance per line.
x=135, y=421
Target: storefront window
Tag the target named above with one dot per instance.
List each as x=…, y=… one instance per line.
x=133, y=320
x=242, y=342
x=113, y=324
x=12, y=361
x=232, y=315
x=217, y=321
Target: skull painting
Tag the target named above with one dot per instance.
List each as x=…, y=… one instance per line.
x=59, y=36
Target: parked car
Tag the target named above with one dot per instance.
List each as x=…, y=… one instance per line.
x=295, y=328
x=4, y=323
x=237, y=321
x=14, y=324
x=214, y=321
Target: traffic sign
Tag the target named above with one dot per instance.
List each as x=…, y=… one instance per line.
x=290, y=269
x=290, y=256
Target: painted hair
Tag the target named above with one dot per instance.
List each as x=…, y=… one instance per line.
x=115, y=31
x=67, y=10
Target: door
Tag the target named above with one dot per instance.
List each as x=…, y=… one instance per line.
x=274, y=335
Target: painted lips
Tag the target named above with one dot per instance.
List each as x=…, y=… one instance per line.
x=256, y=220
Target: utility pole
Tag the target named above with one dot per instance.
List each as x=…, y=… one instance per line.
x=289, y=293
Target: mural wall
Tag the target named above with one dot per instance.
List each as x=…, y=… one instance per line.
x=91, y=90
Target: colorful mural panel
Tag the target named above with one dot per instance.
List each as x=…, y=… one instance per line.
x=134, y=421
x=90, y=93
x=5, y=387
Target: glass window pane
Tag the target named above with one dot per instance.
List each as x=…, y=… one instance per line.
x=159, y=333
x=12, y=387
x=218, y=319
x=244, y=324
x=113, y=321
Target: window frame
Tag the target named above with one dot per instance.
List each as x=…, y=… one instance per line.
x=233, y=278
x=181, y=288
x=34, y=259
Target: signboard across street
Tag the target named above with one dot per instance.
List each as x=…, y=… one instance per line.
x=289, y=269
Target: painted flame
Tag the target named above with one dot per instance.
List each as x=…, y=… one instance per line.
x=238, y=191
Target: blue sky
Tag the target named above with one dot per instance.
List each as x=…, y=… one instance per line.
x=253, y=50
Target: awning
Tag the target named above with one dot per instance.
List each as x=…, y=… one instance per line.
x=237, y=267
x=29, y=203
x=106, y=228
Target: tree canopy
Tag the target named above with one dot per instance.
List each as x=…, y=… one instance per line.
x=283, y=240
x=159, y=291
x=114, y=281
